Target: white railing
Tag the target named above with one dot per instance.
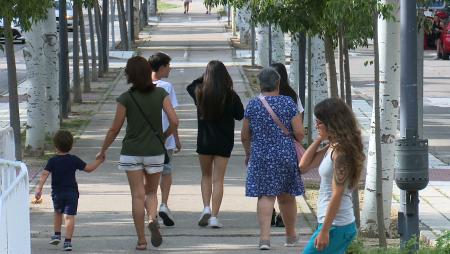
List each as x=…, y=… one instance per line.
x=7, y=144
x=14, y=208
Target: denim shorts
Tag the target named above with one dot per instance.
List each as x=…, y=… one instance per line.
x=340, y=239
x=65, y=202
x=167, y=168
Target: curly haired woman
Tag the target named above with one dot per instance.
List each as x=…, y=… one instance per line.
x=340, y=164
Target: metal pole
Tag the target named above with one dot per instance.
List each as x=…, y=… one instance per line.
x=408, y=221
x=420, y=42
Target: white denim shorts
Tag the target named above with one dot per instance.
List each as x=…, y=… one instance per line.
x=151, y=164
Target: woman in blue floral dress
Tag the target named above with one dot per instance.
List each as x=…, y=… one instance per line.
x=271, y=158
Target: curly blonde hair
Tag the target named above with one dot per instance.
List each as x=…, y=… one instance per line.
x=344, y=133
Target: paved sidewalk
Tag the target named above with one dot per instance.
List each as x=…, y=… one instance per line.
x=104, y=223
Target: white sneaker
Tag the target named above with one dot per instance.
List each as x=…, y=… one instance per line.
x=206, y=214
x=214, y=223
x=291, y=242
x=264, y=245
x=166, y=215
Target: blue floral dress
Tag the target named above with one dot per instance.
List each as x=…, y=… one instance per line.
x=273, y=167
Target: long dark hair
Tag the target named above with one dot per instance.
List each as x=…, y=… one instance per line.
x=213, y=93
x=139, y=73
x=344, y=132
x=285, y=88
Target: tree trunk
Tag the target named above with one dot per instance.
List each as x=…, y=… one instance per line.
x=52, y=67
x=97, y=17
x=329, y=52
x=319, y=84
x=130, y=19
x=122, y=25
x=262, y=38
x=64, y=72
x=105, y=36
x=253, y=44
x=278, y=51
x=380, y=213
x=37, y=75
x=341, y=63
x=294, y=69
x=348, y=83
x=152, y=8
x=302, y=69
x=112, y=18
x=244, y=15
x=86, y=72
x=136, y=19
x=348, y=100
x=389, y=42
x=76, y=86
x=309, y=103
x=13, y=97
x=94, y=73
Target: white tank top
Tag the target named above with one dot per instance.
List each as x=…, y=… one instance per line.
x=345, y=213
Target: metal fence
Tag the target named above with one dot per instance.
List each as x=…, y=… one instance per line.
x=14, y=200
x=14, y=208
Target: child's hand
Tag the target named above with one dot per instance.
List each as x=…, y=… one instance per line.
x=38, y=194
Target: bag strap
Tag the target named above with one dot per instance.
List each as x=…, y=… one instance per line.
x=274, y=116
x=148, y=121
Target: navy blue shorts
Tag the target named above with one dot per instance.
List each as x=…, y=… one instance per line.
x=65, y=202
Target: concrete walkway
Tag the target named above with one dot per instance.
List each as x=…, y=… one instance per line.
x=104, y=223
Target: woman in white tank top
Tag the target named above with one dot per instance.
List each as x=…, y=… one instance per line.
x=340, y=164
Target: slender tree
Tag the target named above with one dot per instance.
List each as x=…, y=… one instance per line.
x=26, y=13
x=84, y=52
x=76, y=86
x=97, y=17
x=94, y=72
x=122, y=25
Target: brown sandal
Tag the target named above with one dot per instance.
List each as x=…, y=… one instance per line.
x=141, y=246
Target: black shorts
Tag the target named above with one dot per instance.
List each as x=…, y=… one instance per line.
x=65, y=202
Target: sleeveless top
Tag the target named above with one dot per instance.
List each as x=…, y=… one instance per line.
x=345, y=213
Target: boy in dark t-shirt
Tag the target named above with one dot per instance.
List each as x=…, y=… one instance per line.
x=64, y=185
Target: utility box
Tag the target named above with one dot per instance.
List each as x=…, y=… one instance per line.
x=411, y=164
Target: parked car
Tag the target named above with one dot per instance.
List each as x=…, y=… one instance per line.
x=16, y=31
x=69, y=14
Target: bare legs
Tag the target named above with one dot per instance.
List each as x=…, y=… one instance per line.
x=151, y=201
x=213, y=174
x=136, y=182
x=166, y=183
x=69, y=222
x=264, y=210
x=288, y=208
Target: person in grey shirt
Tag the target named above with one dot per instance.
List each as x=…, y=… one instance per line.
x=340, y=164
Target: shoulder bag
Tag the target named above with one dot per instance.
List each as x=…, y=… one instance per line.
x=298, y=147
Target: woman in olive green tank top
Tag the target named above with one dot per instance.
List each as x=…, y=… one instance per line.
x=142, y=154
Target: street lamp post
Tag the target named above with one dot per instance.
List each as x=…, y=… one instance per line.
x=411, y=165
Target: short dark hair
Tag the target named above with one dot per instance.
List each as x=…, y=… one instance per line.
x=158, y=60
x=63, y=141
x=139, y=72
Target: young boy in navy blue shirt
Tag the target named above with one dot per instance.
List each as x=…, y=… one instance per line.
x=65, y=193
